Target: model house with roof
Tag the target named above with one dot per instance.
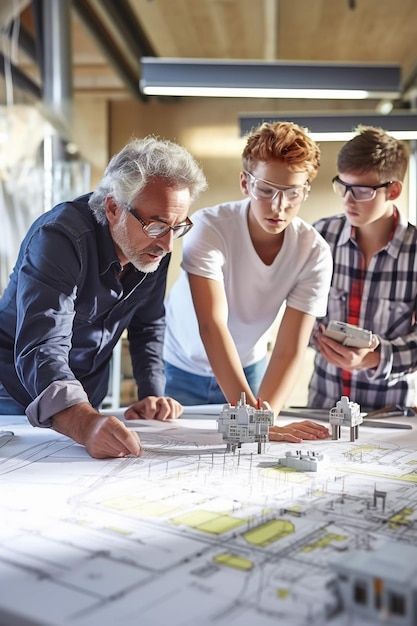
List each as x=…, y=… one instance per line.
x=380, y=585
x=242, y=423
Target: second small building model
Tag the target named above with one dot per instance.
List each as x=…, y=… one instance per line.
x=242, y=423
x=345, y=413
x=304, y=461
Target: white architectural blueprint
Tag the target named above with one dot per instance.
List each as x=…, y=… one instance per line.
x=189, y=535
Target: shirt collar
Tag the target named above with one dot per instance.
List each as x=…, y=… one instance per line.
x=107, y=256
x=393, y=247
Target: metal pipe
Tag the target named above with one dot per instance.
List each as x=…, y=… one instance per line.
x=56, y=63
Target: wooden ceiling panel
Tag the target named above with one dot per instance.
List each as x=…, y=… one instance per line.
x=203, y=28
x=379, y=31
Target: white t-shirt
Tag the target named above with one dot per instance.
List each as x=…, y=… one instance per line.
x=219, y=247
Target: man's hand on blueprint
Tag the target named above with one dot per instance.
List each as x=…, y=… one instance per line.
x=102, y=435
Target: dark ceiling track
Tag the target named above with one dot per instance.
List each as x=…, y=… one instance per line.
x=103, y=38
x=37, y=16
x=129, y=27
x=409, y=88
x=26, y=42
x=20, y=79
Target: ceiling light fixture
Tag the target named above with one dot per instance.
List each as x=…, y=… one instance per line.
x=268, y=79
x=335, y=127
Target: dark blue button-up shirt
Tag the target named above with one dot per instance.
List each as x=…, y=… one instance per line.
x=65, y=309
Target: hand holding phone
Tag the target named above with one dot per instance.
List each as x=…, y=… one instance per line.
x=348, y=334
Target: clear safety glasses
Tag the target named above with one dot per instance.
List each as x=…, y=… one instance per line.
x=264, y=190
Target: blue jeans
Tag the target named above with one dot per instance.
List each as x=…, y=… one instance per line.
x=9, y=407
x=190, y=388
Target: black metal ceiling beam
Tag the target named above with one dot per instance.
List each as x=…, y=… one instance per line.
x=129, y=27
x=103, y=38
x=410, y=84
x=39, y=36
x=20, y=79
x=25, y=41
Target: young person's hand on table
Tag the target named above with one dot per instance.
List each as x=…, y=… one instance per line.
x=296, y=432
x=154, y=408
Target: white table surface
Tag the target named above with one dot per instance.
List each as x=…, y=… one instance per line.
x=189, y=534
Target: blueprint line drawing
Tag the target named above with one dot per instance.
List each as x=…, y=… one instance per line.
x=189, y=533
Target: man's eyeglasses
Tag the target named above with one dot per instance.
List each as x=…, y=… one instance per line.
x=264, y=190
x=156, y=230
x=363, y=193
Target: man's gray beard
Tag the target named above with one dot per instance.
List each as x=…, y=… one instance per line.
x=147, y=268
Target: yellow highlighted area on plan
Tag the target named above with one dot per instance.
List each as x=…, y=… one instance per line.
x=119, y=531
x=324, y=542
x=409, y=477
x=270, y=532
x=139, y=506
x=401, y=518
x=208, y=521
x=233, y=560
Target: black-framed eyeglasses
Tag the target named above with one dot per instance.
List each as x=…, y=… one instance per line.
x=363, y=193
x=156, y=230
x=264, y=190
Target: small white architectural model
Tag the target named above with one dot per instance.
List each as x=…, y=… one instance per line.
x=380, y=585
x=345, y=413
x=307, y=461
x=243, y=423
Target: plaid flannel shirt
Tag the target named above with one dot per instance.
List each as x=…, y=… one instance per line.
x=388, y=308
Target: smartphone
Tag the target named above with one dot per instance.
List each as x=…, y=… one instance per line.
x=348, y=334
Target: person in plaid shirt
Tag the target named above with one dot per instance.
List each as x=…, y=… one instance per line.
x=374, y=283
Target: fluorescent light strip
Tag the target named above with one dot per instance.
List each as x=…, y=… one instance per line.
x=338, y=127
x=402, y=135
x=247, y=92
x=268, y=79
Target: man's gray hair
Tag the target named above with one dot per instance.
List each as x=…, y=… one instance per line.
x=140, y=161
